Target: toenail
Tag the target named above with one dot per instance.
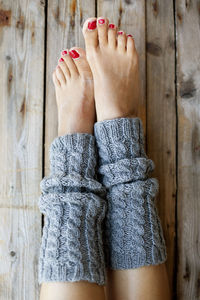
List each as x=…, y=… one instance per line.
x=101, y=21
x=64, y=52
x=112, y=26
x=92, y=25
x=74, y=54
x=129, y=35
x=61, y=59
x=120, y=32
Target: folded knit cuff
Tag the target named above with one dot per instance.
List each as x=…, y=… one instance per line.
x=126, y=170
x=73, y=154
x=121, y=138
x=122, y=157
x=72, y=247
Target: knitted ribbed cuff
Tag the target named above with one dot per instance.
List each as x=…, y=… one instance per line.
x=71, y=248
x=120, y=138
x=121, y=151
x=73, y=153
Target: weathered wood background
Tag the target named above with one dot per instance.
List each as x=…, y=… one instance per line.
x=32, y=34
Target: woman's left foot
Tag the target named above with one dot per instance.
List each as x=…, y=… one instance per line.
x=74, y=88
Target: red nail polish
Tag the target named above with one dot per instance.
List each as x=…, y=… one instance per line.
x=101, y=21
x=112, y=26
x=74, y=54
x=120, y=32
x=64, y=52
x=61, y=59
x=129, y=35
x=92, y=25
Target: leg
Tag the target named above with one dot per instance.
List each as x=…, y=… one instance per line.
x=71, y=290
x=137, y=283
x=76, y=114
x=114, y=62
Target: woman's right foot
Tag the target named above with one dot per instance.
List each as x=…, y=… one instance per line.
x=114, y=63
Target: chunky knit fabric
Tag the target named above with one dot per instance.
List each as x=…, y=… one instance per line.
x=71, y=200
x=134, y=236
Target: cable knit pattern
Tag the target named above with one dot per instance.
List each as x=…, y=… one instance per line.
x=71, y=248
x=134, y=236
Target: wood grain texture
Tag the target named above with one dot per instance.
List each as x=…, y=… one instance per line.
x=22, y=36
x=129, y=15
x=21, y=115
x=161, y=115
x=65, y=20
x=188, y=78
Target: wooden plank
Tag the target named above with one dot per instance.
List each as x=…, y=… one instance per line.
x=130, y=17
x=65, y=20
x=188, y=76
x=21, y=118
x=161, y=115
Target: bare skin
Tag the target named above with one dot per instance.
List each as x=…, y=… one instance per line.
x=114, y=65
x=81, y=290
x=146, y=283
x=76, y=113
x=74, y=93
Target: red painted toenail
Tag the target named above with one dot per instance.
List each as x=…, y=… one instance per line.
x=112, y=26
x=129, y=35
x=120, y=32
x=92, y=25
x=74, y=54
x=101, y=21
x=64, y=52
x=61, y=59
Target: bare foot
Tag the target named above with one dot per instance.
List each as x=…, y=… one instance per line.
x=114, y=63
x=74, y=93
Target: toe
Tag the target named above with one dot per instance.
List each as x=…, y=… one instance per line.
x=121, y=41
x=90, y=33
x=55, y=79
x=112, y=29
x=63, y=64
x=79, y=58
x=102, y=26
x=130, y=44
x=73, y=71
x=60, y=75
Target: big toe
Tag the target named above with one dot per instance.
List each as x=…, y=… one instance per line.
x=102, y=25
x=90, y=33
x=79, y=57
